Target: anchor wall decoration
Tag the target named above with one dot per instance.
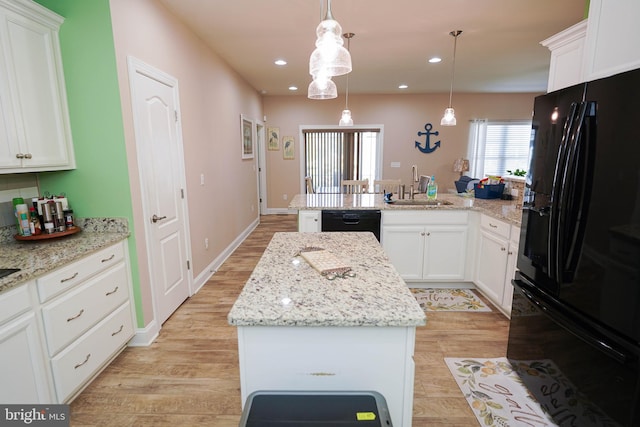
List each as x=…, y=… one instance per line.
x=427, y=146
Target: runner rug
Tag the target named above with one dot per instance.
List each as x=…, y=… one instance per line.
x=496, y=394
x=437, y=299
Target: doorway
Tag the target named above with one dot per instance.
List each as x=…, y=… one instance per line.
x=156, y=117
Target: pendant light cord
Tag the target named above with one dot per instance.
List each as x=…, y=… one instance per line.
x=348, y=37
x=455, y=35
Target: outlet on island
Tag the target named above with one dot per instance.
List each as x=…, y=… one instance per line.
x=206, y=243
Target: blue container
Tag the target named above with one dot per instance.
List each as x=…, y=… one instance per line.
x=488, y=191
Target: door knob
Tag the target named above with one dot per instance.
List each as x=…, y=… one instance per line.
x=155, y=218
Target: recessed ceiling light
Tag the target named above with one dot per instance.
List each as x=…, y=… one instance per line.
x=293, y=87
x=434, y=60
x=403, y=86
x=280, y=62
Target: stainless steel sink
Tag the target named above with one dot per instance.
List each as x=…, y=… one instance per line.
x=7, y=271
x=420, y=202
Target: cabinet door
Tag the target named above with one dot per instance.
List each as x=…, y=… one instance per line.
x=404, y=245
x=36, y=89
x=492, y=266
x=611, y=45
x=512, y=261
x=22, y=367
x=445, y=253
x=9, y=146
x=309, y=221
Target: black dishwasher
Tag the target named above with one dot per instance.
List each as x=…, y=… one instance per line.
x=352, y=220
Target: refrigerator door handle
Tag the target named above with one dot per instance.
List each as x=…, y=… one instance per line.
x=575, y=194
x=554, y=248
x=588, y=335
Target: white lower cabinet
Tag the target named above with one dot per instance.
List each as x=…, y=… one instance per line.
x=58, y=332
x=427, y=246
x=23, y=363
x=87, y=316
x=309, y=221
x=496, y=260
x=79, y=361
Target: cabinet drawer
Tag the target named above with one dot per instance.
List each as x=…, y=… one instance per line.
x=14, y=302
x=67, y=317
x=497, y=227
x=78, y=362
x=445, y=216
x=66, y=277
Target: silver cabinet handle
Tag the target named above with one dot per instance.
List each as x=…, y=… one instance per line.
x=112, y=292
x=82, y=363
x=27, y=156
x=76, y=316
x=108, y=259
x=493, y=226
x=69, y=278
x=118, y=331
x=155, y=218
x=19, y=156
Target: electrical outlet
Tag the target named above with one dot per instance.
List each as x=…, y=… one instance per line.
x=253, y=208
x=206, y=243
x=201, y=179
x=284, y=197
x=395, y=164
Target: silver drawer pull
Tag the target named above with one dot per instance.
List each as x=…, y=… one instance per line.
x=493, y=226
x=112, y=292
x=118, y=331
x=108, y=259
x=69, y=278
x=85, y=361
x=76, y=316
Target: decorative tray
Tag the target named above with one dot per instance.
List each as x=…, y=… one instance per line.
x=44, y=236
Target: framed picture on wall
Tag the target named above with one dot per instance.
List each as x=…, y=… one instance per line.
x=288, y=143
x=273, y=143
x=246, y=130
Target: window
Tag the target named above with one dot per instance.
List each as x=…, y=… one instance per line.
x=498, y=146
x=333, y=155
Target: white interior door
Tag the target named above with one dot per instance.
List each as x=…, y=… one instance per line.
x=154, y=97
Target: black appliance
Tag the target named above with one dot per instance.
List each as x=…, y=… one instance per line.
x=352, y=220
x=577, y=291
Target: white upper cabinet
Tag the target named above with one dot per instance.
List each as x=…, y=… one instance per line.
x=567, y=48
x=35, y=134
x=603, y=45
x=613, y=34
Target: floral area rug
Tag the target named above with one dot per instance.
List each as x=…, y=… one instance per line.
x=496, y=394
x=431, y=299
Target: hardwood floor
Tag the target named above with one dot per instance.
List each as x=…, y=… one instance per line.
x=189, y=376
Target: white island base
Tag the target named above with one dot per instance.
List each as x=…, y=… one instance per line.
x=299, y=331
x=278, y=358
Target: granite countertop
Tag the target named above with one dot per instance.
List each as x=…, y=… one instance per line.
x=36, y=258
x=284, y=290
x=506, y=210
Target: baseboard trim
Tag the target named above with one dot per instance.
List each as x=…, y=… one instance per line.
x=213, y=267
x=144, y=337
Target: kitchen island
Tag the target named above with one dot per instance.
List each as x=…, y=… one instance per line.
x=297, y=330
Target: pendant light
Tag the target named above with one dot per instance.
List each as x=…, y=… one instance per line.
x=346, y=119
x=329, y=58
x=449, y=118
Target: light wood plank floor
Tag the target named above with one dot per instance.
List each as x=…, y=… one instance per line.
x=189, y=376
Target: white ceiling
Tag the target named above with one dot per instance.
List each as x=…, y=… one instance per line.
x=498, y=51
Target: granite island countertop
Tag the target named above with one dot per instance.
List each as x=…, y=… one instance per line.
x=36, y=258
x=284, y=290
x=506, y=210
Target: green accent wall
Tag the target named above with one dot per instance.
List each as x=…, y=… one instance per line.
x=99, y=186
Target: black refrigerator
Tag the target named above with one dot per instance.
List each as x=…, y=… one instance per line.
x=576, y=303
